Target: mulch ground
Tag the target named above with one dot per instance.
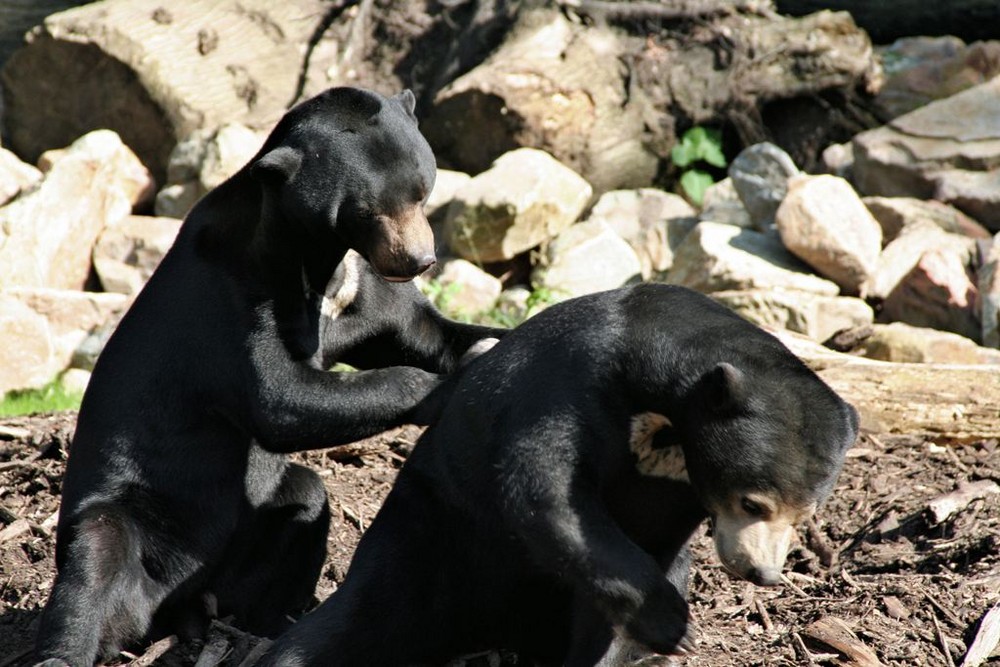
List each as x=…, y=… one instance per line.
x=900, y=567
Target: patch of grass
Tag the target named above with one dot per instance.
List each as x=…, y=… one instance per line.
x=53, y=397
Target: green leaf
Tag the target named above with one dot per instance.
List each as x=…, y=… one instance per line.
x=711, y=149
x=699, y=143
x=682, y=154
x=695, y=182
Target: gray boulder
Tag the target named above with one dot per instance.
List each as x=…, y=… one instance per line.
x=988, y=279
x=760, y=175
x=721, y=203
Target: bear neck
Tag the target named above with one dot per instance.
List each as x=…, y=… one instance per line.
x=252, y=232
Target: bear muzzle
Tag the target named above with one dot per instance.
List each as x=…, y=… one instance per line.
x=402, y=245
x=754, y=549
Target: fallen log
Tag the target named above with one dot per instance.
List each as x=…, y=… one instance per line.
x=942, y=401
x=609, y=99
x=155, y=73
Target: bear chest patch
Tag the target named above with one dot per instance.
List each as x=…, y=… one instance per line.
x=343, y=288
x=657, y=453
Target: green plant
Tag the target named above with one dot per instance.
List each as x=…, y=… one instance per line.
x=50, y=398
x=441, y=296
x=699, y=144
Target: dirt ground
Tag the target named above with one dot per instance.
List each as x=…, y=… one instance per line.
x=876, y=578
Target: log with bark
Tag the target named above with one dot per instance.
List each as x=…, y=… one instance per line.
x=155, y=73
x=941, y=401
x=609, y=99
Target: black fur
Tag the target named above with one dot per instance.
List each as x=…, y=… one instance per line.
x=178, y=497
x=520, y=520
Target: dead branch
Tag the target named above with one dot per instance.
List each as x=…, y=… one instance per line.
x=987, y=639
x=944, y=506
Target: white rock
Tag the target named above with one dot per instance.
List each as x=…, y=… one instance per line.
x=585, y=258
x=15, y=176
x=25, y=347
x=466, y=289
x=939, y=292
x=652, y=221
x=105, y=145
x=128, y=252
x=824, y=222
x=75, y=380
x=526, y=197
x=204, y=161
x=717, y=257
x=818, y=317
x=900, y=256
x=446, y=184
x=514, y=304
x=46, y=235
x=48, y=325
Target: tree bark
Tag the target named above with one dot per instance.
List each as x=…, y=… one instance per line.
x=945, y=401
x=888, y=20
x=610, y=103
x=155, y=73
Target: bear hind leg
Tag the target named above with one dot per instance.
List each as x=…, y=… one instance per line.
x=103, y=599
x=272, y=569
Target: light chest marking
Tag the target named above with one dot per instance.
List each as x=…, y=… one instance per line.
x=343, y=289
x=667, y=462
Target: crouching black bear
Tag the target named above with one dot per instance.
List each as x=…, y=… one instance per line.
x=549, y=510
x=178, y=499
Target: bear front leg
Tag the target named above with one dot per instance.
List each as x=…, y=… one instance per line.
x=394, y=324
x=290, y=406
x=556, y=511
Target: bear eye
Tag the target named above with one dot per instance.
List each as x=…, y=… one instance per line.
x=753, y=508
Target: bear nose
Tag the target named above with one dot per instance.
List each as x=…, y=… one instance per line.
x=425, y=262
x=764, y=576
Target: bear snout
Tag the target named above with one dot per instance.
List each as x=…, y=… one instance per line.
x=754, y=550
x=402, y=245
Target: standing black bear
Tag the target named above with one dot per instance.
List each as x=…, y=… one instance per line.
x=549, y=509
x=177, y=490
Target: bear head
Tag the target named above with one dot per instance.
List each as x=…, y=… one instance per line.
x=762, y=454
x=351, y=168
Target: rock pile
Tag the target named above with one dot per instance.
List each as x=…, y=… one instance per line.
x=897, y=244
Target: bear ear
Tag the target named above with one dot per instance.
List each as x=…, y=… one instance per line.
x=277, y=166
x=407, y=100
x=728, y=387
